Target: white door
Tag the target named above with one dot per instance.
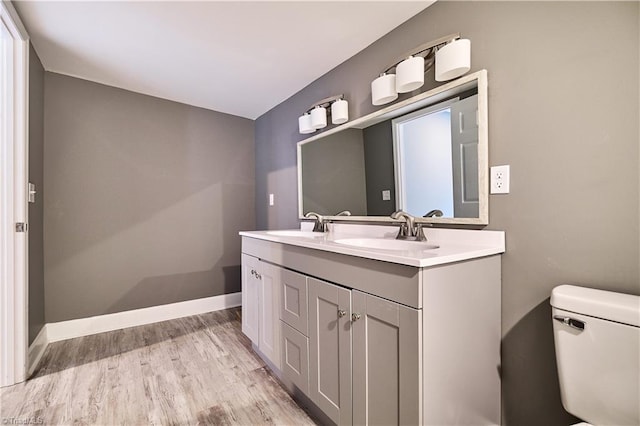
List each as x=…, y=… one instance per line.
x=14, y=57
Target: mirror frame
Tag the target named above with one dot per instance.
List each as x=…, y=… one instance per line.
x=414, y=103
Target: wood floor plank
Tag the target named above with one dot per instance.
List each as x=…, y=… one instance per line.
x=194, y=370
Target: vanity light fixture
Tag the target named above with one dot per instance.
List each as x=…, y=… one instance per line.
x=315, y=117
x=340, y=111
x=304, y=124
x=452, y=58
x=319, y=117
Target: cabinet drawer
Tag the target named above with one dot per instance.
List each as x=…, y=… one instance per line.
x=295, y=357
x=293, y=301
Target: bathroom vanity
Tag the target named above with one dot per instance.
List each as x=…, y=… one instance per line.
x=407, y=334
x=363, y=326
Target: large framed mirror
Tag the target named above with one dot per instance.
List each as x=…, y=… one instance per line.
x=427, y=155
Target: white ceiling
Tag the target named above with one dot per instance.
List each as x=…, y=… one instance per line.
x=241, y=58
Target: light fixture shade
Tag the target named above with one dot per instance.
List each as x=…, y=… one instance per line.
x=304, y=124
x=383, y=89
x=339, y=111
x=319, y=117
x=453, y=60
x=410, y=74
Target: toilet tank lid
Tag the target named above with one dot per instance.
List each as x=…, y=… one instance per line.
x=608, y=305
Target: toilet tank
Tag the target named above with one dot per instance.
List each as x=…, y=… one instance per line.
x=597, y=341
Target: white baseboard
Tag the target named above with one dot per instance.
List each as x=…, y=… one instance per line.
x=36, y=350
x=63, y=330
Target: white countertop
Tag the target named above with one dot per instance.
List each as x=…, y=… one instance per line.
x=454, y=244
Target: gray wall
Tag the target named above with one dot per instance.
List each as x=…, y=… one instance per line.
x=36, y=163
x=563, y=112
x=333, y=175
x=378, y=160
x=144, y=199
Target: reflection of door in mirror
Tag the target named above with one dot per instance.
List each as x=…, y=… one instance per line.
x=435, y=152
x=464, y=149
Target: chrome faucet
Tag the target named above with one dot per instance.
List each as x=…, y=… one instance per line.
x=409, y=230
x=319, y=225
x=406, y=229
x=434, y=212
x=344, y=213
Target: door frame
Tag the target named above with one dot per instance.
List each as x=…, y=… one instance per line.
x=14, y=165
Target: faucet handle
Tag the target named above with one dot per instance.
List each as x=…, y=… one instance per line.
x=420, y=232
x=403, y=232
x=319, y=224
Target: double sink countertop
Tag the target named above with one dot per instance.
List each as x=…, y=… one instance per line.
x=379, y=243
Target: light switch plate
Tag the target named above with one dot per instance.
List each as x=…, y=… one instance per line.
x=271, y=199
x=32, y=192
x=386, y=195
x=500, y=179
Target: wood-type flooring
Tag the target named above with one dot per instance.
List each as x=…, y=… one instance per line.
x=187, y=371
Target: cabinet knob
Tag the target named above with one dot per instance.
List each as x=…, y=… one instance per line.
x=341, y=313
x=355, y=317
x=253, y=272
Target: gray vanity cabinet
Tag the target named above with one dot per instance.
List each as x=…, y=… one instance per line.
x=387, y=348
x=261, y=306
x=388, y=344
x=330, y=350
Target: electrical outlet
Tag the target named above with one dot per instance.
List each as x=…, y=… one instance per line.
x=500, y=179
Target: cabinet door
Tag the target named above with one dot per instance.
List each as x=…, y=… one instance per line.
x=295, y=357
x=293, y=301
x=330, y=350
x=250, y=297
x=387, y=347
x=269, y=322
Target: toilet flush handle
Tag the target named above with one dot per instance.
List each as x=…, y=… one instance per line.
x=571, y=322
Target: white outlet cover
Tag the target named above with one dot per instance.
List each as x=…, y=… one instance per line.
x=500, y=179
x=271, y=200
x=386, y=195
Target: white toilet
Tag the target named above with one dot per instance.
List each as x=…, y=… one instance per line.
x=597, y=340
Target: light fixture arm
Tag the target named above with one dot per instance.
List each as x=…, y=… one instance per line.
x=325, y=102
x=428, y=47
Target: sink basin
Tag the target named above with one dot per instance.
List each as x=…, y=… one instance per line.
x=386, y=244
x=294, y=233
